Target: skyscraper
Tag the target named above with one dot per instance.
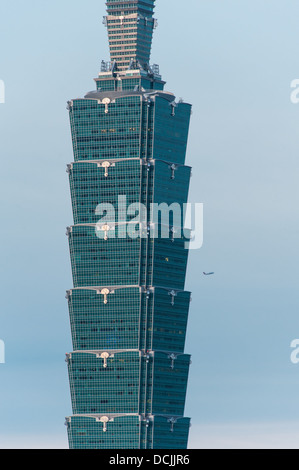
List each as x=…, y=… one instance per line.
x=128, y=308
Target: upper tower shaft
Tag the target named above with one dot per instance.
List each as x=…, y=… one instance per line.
x=130, y=26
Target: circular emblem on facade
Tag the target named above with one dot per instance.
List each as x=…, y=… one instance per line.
x=104, y=420
x=105, y=291
x=106, y=165
x=106, y=102
x=105, y=356
x=106, y=228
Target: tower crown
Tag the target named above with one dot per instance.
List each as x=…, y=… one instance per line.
x=130, y=25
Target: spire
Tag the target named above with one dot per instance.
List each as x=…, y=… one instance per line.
x=130, y=25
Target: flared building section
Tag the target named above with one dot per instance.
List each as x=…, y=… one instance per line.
x=128, y=306
x=130, y=27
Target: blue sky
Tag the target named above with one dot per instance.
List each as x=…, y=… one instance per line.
x=234, y=61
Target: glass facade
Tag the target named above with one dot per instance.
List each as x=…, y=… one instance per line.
x=128, y=307
x=130, y=28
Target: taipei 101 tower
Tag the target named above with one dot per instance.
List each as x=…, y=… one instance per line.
x=128, y=306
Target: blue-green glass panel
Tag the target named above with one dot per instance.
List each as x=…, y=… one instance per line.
x=97, y=325
x=171, y=131
x=168, y=435
x=122, y=432
x=169, y=320
x=169, y=378
x=99, y=262
x=101, y=131
x=93, y=185
x=104, y=385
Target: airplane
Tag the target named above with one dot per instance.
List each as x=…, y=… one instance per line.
x=208, y=274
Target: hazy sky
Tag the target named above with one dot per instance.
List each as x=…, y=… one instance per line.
x=234, y=60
